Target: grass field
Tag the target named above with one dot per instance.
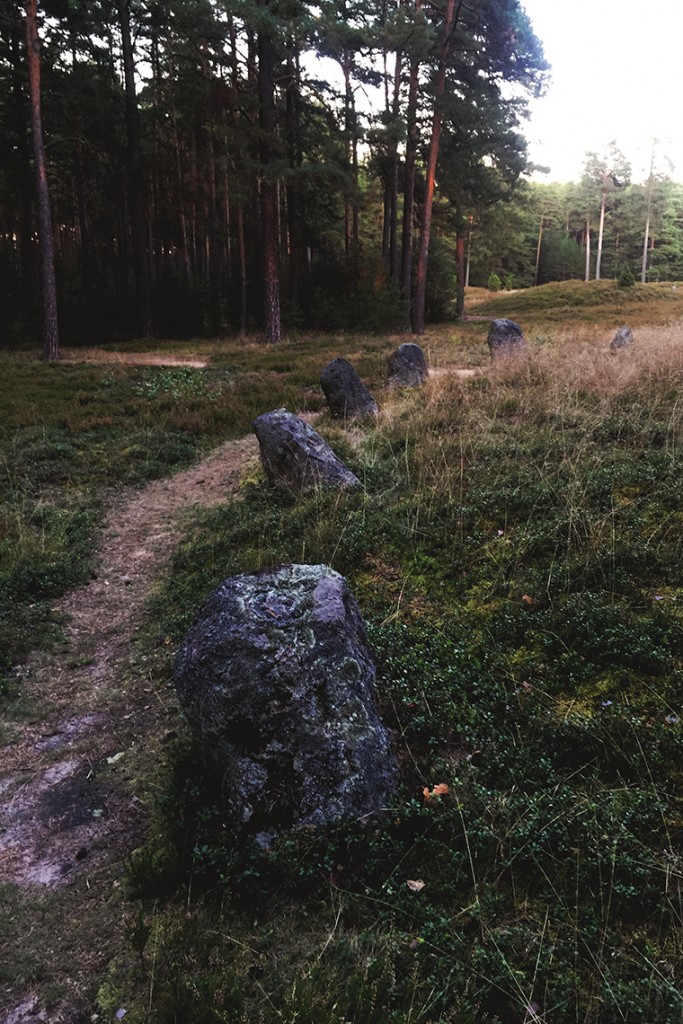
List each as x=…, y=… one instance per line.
x=516, y=551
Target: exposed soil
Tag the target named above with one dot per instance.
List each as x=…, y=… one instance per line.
x=97, y=355
x=68, y=813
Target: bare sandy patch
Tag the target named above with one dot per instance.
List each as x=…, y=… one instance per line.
x=98, y=355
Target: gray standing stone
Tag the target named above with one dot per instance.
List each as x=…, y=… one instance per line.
x=622, y=339
x=407, y=367
x=346, y=394
x=294, y=455
x=277, y=681
x=506, y=340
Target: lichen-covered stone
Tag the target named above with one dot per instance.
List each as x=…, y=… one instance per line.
x=622, y=339
x=407, y=367
x=277, y=681
x=347, y=396
x=506, y=340
x=295, y=456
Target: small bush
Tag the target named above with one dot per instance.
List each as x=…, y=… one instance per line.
x=626, y=277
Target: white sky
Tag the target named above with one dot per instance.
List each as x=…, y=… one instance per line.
x=617, y=75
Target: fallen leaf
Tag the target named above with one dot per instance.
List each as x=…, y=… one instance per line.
x=415, y=884
x=441, y=789
x=528, y=599
x=116, y=757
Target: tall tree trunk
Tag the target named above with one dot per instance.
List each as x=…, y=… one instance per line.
x=648, y=217
x=601, y=232
x=646, y=239
x=393, y=172
x=460, y=264
x=180, y=207
x=226, y=209
x=239, y=204
x=269, y=204
x=451, y=17
x=242, y=258
x=587, y=273
x=158, y=240
x=538, y=249
x=47, y=258
x=294, y=218
x=468, y=261
x=212, y=232
x=22, y=173
x=135, y=175
x=349, y=130
x=409, y=187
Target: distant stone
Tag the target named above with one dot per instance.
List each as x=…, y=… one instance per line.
x=407, y=367
x=506, y=340
x=622, y=339
x=347, y=396
x=295, y=456
x=277, y=681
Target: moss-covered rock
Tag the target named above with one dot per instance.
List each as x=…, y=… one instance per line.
x=277, y=680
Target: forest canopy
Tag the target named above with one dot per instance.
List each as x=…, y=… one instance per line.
x=222, y=166
x=254, y=165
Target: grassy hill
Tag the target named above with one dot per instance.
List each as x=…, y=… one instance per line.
x=516, y=552
x=594, y=302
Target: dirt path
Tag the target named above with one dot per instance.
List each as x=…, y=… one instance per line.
x=68, y=817
x=98, y=355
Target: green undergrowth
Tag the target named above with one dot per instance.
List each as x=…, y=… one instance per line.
x=69, y=435
x=516, y=552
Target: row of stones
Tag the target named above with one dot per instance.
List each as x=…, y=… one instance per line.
x=276, y=677
x=349, y=398
x=296, y=457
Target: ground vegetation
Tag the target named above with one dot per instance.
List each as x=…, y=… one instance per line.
x=514, y=550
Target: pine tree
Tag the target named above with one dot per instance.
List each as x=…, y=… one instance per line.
x=478, y=49
x=48, y=284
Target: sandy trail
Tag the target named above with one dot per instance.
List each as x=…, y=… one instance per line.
x=68, y=817
x=97, y=355
x=79, y=683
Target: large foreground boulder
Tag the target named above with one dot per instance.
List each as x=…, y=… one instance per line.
x=347, y=396
x=295, y=456
x=407, y=367
x=506, y=340
x=277, y=681
x=622, y=339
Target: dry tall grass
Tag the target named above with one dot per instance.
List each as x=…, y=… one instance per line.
x=572, y=383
